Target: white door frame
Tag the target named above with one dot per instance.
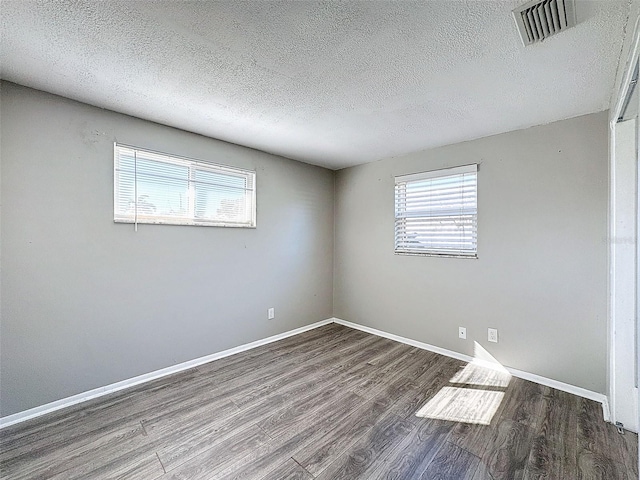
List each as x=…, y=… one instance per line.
x=622, y=241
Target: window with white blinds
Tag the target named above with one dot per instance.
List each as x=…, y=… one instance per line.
x=152, y=187
x=437, y=212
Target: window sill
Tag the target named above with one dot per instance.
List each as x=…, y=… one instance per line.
x=184, y=223
x=429, y=254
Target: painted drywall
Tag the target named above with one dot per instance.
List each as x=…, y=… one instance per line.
x=87, y=302
x=541, y=273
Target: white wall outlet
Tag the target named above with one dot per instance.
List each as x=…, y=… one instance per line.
x=493, y=335
x=462, y=333
x=271, y=313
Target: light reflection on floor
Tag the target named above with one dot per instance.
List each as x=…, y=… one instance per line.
x=475, y=374
x=468, y=405
x=474, y=394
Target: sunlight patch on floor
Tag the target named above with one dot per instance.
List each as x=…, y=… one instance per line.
x=475, y=394
x=467, y=405
x=476, y=374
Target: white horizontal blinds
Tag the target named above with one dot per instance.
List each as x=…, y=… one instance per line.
x=156, y=188
x=436, y=212
x=222, y=196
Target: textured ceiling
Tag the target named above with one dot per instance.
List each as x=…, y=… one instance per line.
x=329, y=83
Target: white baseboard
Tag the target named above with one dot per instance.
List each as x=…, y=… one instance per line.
x=114, y=387
x=532, y=377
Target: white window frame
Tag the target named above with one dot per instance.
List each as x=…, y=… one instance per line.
x=190, y=218
x=400, y=216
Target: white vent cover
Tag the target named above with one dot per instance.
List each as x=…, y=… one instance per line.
x=540, y=19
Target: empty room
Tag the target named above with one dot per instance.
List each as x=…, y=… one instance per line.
x=319, y=240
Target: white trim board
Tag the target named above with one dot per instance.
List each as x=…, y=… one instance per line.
x=623, y=285
x=532, y=377
x=146, y=377
x=114, y=387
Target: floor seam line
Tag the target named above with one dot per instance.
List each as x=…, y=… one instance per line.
x=161, y=464
x=264, y=431
x=144, y=430
x=302, y=467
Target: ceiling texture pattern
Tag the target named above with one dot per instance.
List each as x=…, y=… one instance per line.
x=329, y=83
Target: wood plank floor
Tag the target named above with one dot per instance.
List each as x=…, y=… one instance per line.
x=331, y=403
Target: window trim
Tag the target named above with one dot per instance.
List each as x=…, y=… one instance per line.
x=442, y=172
x=190, y=163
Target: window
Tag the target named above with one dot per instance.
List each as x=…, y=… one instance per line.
x=437, y=212
x=156, y=188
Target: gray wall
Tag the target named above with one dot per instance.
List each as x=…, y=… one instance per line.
x=542, y=268
x=86, y=302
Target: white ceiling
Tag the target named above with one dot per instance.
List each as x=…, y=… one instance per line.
x=329, y=83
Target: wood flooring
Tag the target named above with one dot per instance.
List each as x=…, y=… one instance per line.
x=331, y=403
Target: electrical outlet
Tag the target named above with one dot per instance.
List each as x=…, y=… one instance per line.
x=271, y=313
x=493, y=335
x=462, y=333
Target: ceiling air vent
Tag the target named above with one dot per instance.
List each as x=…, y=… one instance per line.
x=540, y=19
